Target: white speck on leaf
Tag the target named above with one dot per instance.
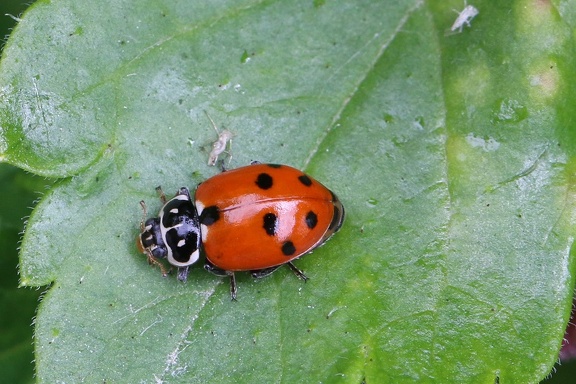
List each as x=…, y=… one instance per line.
x=464, y=17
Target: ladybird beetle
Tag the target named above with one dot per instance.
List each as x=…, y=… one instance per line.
x=254, y=218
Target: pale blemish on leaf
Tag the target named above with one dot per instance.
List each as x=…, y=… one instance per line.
x=545, y=82
x=488, y=144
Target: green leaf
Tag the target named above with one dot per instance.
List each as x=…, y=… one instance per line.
x=452, y=153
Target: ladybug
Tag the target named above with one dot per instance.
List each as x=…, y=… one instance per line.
x=254, y=218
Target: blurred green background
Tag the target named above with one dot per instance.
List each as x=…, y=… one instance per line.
x=18, y=192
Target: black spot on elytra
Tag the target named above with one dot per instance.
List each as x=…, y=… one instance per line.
x=311, y=220
x=270, y=223
x=288, y=248
x=210, y=215
x=305, y=180
x=264, y=181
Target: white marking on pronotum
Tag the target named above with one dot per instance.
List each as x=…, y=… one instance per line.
x=465, y=17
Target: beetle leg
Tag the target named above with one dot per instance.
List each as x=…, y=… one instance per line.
x=183, y=273
x=297, y=271
x=215, y=270
x=161, y=194
x=260, y=273
x=222, y=272
x=233, y=288
x=144, y=214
